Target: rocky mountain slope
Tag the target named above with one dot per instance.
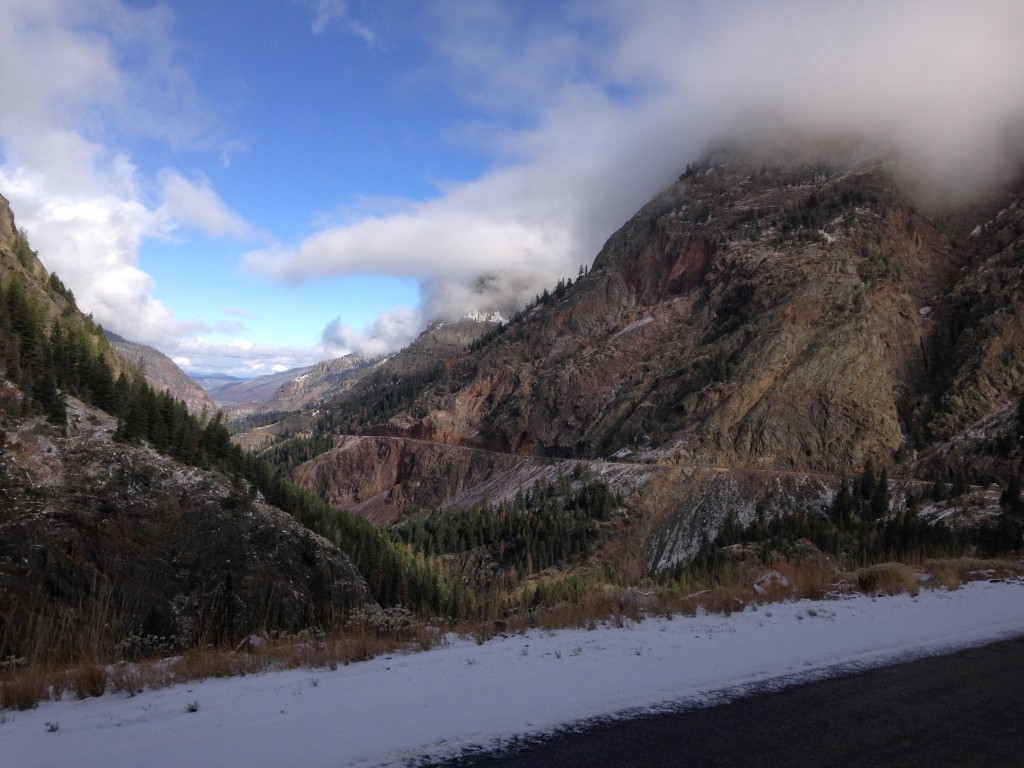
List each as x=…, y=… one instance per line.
x=251, y=393
x=87, y=524
x=787, y=313
x=96, y=531
x=308, y=387
x=794, y=319
x=347, y=378
x=163, y=374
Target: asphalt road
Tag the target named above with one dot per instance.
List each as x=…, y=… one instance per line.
x=965, y=709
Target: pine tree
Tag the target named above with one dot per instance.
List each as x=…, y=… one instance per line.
x=842, y=507
x=879, y=503
x=1010, y=499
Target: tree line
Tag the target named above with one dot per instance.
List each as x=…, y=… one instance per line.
x=50, y=359
x=552, y=524
x=860, y=529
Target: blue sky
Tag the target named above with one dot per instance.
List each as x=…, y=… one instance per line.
x=252, y=186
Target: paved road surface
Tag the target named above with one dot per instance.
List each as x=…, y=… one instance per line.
x=966, y=709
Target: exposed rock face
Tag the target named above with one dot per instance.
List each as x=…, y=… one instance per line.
x=801, y=318
x=767, y=325
x=181, y=551
x=316, y=383
x=386, y=479
x=389, y=479
x=6, y=220
x=163, y=374
x=701, y=502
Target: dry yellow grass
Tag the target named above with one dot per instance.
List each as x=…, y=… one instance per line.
x=40, y=674
x=888, y=579
x=88, y=679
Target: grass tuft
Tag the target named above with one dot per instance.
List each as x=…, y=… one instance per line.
x=88, y=679
x=888, y=579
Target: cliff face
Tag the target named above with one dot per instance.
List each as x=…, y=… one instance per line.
x=6, y=220
x=801, y=317
x=787, y=317
x=388, y=479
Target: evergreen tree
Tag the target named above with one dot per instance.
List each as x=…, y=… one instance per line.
x=879, y=502
x=842, y=506
x=1010, y=499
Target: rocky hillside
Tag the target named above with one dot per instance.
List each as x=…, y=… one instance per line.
x=170, y=551
x=98, y=523
x=771, y=311
x=338, y=384
x=295, y=390
x=247, y=394
x=805, y=317
x=163, y=374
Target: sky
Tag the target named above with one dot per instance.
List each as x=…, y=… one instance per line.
x=464, y=695
x=255, y=186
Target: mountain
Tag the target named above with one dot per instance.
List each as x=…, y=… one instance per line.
x=123, y=514
x=777, y=318
x=210, y=381
x=294, y=390
x=163, y=374
x=347, y=378
x=249, y=393
x=171, y=551
x=807, y=317
x=306, y=388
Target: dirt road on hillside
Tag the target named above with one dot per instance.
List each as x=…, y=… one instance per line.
x=965, y=709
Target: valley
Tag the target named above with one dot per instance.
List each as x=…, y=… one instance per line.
x=782, y=364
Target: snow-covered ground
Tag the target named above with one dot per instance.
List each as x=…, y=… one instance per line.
x=403, y=708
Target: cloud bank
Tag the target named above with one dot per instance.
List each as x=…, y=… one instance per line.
x=587, y=109
x=608, y=101
x=73, y=69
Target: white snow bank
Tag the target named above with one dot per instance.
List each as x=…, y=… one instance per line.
x=390, y=710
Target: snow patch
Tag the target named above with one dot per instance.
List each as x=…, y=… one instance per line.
x=634, y=325
x=485, y=317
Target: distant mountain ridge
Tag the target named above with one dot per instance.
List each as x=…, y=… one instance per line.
x=305, y=388
x=163, y=373
x=293, y=390
x=210, y=381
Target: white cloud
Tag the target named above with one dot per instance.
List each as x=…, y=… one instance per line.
x=588, y=107
x=92, y=242
x=391, y=331
x=195, y=204
x=243, y=360
x=608, y=101
x=327, y=13
x=85, y=205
